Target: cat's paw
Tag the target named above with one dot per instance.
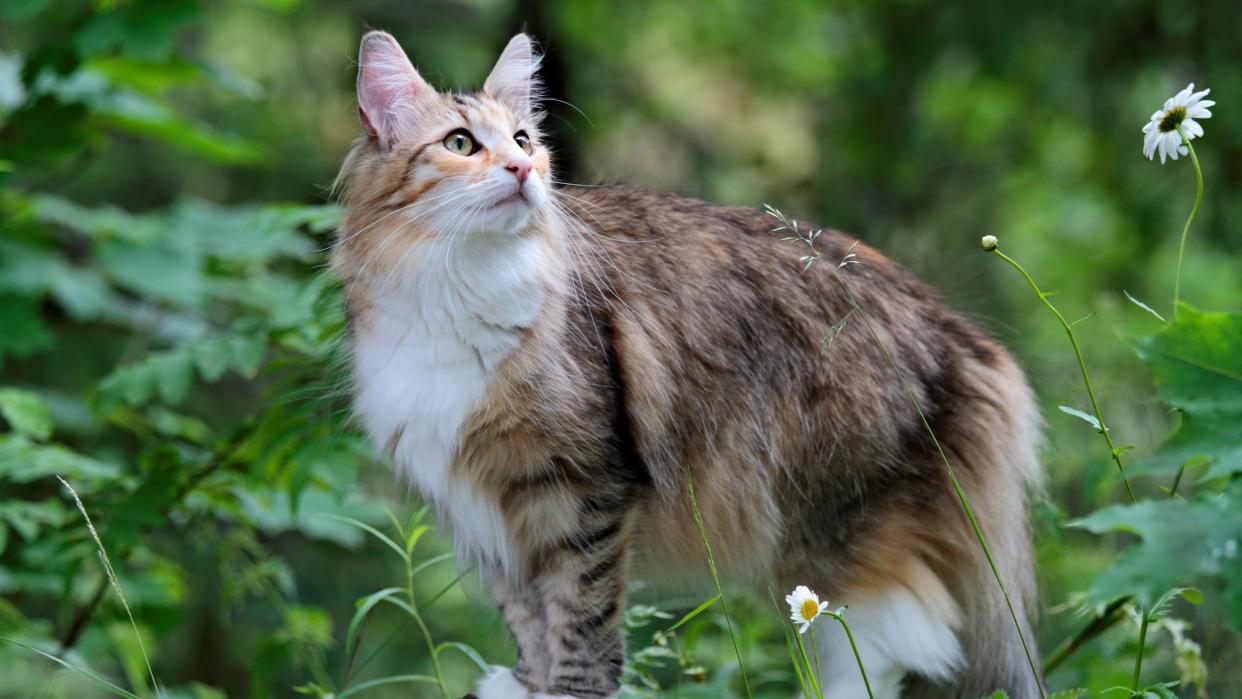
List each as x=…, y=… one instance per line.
x=501, y=684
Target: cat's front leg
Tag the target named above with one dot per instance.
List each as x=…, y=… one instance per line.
x=583, y=588
x=521, y=606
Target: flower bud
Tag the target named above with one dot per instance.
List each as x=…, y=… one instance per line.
x=988, y=243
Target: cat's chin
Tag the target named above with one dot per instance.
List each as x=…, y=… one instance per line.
x=514, y=216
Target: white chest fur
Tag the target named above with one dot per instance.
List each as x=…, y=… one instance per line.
x=434, y=334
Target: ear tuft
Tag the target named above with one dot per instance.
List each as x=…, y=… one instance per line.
x=512, y=81
x=389, y=89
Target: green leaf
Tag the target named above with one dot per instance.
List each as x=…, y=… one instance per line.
x=431, y=562
x=412, y=540
x=24, y=333
x=1181, y=541
x=392, y=679
x=28, y=518
x=1196, y=363
x=468, y=652
x=22, y=461
x=365, y=605
x=81, y=671
x=1087, y=418
x=373, y=532
x=26, y=413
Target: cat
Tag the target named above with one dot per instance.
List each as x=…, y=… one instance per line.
x=554, y=370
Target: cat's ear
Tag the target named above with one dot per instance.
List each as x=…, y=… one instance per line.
x=512, y=81
x=389, y=89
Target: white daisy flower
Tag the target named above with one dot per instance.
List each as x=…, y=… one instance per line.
x=1160, y=134
x=804, y=607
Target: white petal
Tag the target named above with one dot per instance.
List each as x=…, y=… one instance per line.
x=1192, y=128
x=1197, y=96
x=1200, y=111
x=1149, y=127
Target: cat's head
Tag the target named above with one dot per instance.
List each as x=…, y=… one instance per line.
x=446, y=164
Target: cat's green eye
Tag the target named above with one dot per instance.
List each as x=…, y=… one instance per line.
x=461, y=143
x=523, y=142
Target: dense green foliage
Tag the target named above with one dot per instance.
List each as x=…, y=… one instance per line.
x=168, y=333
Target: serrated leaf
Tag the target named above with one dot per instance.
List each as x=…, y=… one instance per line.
x=22, y=461
x=1196, y=363
x=1180, y=541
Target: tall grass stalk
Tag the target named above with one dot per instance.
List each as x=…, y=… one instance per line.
x=116, y=585
x=1101, y=426
x=856, y=307
x=1181, y=247
x=711, y=564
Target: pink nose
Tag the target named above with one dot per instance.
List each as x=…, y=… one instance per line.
x=519, y=169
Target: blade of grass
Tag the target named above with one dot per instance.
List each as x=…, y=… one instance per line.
x=711, y=564
x=80, y=670
x=697, y=611
x=116, y=585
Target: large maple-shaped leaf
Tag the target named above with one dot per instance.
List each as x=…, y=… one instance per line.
x=1196, y=363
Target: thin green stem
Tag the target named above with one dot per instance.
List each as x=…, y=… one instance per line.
x=1181, y=247
x=1138, y=660
x=858, y=658
x=1101, y=622
x=957, y=487
x=1082, y=367
x=418, y=619
x=711, y=564
x=1177, y=480
x=810, y=671
x=815, y=654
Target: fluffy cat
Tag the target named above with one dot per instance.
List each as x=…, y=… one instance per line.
x=550, y=370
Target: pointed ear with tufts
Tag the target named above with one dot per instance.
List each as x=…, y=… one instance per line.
x=389, y=89
x=512, y=81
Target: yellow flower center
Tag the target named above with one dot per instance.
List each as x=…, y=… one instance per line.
x=810, y=610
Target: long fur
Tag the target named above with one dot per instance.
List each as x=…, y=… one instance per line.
x=551, y=370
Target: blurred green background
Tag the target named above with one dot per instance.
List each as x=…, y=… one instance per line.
x=165, y=326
